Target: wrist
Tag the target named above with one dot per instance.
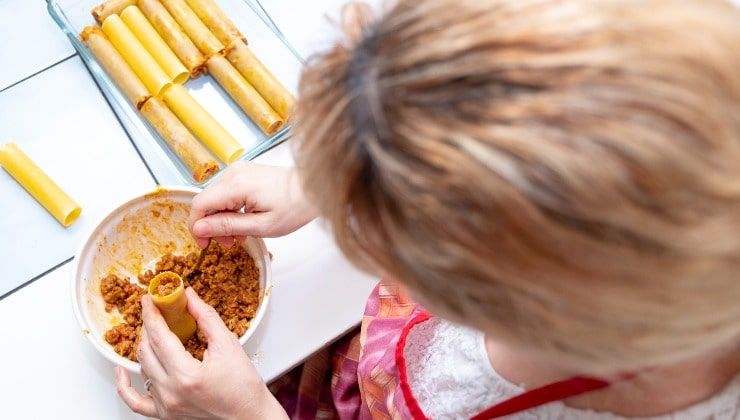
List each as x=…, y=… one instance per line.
x=263, y=406
x=307, y=211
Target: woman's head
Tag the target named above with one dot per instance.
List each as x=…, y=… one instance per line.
x=564, y=175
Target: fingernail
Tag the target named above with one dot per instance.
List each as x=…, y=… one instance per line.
x=201, y=228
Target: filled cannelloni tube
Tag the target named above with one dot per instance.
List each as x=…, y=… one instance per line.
x=198, y=32
x=110, y=7
x=39, y=185
x=154, y=44
x=258, y=76
x=113, y=64
x=202, y=124
x=244, y=94
x=168, y=294
x=173, y=35
x=197, y=159
x=215, y=19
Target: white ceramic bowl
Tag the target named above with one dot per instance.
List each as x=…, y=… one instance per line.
x=131, y=238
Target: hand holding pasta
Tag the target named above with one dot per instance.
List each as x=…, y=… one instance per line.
x=224, y=385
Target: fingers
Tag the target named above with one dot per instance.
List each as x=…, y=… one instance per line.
x=138, y=403
x=230, y=224
x=221, y=196
x=150, y=364
x=209, y=322
x=165, y=345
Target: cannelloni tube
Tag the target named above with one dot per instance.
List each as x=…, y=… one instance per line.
x=258, y=76
x=215, y=19
x=173, y=35
x=39, y=185
x=181, y=141
x=110, y=7
x=154, y=44
x=115, y=65
x=173, y=304
x=198, y=32
x=143, y=64
x=244, y=94
x=202, y=124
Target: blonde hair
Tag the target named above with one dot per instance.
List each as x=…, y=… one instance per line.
x=564, y=175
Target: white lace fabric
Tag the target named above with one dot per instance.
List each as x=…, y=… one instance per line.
x=451, y=378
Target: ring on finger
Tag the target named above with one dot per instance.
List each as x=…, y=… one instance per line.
x=148, y=384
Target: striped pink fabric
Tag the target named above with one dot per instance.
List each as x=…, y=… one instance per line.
x=357, y=376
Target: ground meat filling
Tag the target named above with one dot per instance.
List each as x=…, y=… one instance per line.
x=167, y=285
x=228, y=281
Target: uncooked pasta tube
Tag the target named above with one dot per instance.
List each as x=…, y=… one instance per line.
x=143, y=64
x=154, y=44
x=181, y=141
x=173, y=35
x=110, y=7
x=168, y=294
x=203, y=38
x=244, y=94
x=200, y=122
x=215, y=19
x=113, y=64
x=39, y=185
x=258, y=76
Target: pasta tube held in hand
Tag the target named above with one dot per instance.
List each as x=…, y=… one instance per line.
x=261, y=78
x=202, y=37
x=202, y=124
x=113, y=64
x=168, y=294
x=197, y=159
x=39, y=185
x=244, y=94
x=143, y=64
x=173, y=35
x=154, y=44
x=110, y=7
x=215, y=19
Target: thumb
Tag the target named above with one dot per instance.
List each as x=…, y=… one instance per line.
x=209, y=322
x=230, y=224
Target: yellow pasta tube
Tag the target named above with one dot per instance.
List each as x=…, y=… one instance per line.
x=258, y=76
x=143, y=64
x=173, y=35
x=215, y=19
x=244, y=94
x=203, y=38
x=168, y=294
x=114, y=65
x=150, y=39
x=200, y=122
x=39, y=185
x=110, y=7
x=191, y=152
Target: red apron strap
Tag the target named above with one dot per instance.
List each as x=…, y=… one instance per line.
x=408, y=396
x=555, y=391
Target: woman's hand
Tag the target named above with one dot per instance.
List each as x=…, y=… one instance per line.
x=249, y=200
x=224, y=385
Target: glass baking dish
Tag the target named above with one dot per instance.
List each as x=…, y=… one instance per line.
x=264, y=39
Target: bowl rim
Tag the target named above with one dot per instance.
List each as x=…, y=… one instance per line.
x=116, y=359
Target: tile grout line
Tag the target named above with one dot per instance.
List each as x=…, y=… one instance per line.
x=37, y=277
x=37, y=73
x=120, y=123
x=110, y=106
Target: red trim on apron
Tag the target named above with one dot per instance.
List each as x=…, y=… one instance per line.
x=555, y=391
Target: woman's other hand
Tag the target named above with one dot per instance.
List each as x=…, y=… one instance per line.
x=224, y=385
x=249, y=200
